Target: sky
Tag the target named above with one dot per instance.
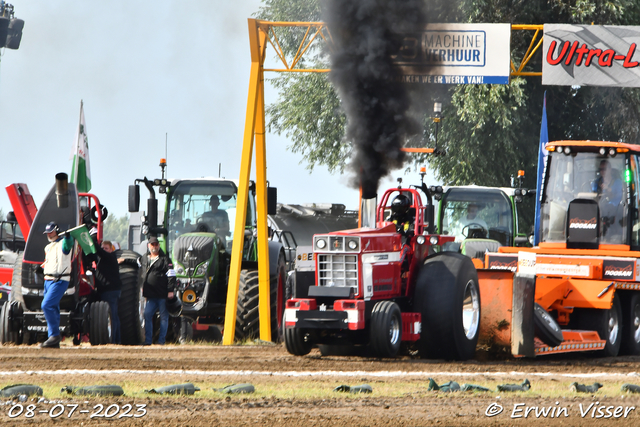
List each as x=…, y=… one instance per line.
x=147, y=72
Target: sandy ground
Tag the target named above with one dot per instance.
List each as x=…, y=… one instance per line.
x=294, y=391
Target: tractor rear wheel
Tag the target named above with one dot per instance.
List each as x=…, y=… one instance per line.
x=131, y=302
x=100, y=323
x=608, y=325
x=247, y=313
x=546, y=328
x=448, y=297
x=386, y=329
x=297, y=341
x=278, y=284
x=631, y=325
x=2, y=323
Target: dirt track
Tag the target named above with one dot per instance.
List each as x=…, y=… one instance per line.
x=298, y=390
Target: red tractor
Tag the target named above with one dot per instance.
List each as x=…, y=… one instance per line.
x=387, y=284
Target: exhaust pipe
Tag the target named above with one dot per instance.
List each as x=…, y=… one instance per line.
x=62, y=190
x=368, y=212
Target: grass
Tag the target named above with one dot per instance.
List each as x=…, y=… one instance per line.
x=289, y=388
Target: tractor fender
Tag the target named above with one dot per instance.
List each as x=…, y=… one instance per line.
x=274, y=252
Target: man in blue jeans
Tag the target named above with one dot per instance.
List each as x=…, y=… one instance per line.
x=57, y=272
x=158, y=279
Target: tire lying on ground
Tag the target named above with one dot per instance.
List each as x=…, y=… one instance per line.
x=448, y=297
x=131, y=303
x=546, y=328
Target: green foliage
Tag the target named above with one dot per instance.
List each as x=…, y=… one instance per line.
x=479, y=134
x=116, y=229
x=309, y=114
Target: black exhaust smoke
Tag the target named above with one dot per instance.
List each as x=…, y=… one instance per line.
x=376, y=103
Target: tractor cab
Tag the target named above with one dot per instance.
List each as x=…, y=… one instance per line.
x=589, y=196
x=481, y=219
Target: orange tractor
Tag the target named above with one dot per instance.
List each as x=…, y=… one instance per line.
x=583, y=278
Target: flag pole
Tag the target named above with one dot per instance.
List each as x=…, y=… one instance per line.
x=76, y=160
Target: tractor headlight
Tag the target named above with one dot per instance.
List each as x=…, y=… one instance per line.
x=352, y=244
x=420, y=240
x=180, y=270
x=321, y=243
x=202, y=269
x=433, y=240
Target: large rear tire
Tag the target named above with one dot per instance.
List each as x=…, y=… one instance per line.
x=16, y=280
x=278, y=299
x=297, y=341
x=247, y=316
x=247, y=312
x=631, y=325
x=386, y=329
x=448, y=297
x=100, y=323
x=2, y=324
x=608, y=324
x=131, y=302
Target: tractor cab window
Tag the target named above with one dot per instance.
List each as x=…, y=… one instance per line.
x=203, y=207
x=588, y=176
x=11, y=238
x=477, y=214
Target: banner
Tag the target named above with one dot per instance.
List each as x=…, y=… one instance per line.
x=591, y=55
x=80, y=170
x=542, y=157
x=81, y=235
x=456, y=54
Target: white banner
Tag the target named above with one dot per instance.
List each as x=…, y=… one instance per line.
x=591, y=55
x=457, y=54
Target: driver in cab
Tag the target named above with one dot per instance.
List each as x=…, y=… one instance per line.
x=216, y=218
x=471, y=226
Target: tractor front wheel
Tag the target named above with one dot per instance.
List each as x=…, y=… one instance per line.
x=608, y=325
x=631, y=325
x=386, y=329
x=297, y=341
x=100, y=323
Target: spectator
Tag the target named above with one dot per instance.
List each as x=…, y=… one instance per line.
x=158, y=278
x=57, y=273
x=108, y=284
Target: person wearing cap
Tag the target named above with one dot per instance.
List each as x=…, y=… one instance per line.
x=158, y=278
x=108, y=284
x=57, y=273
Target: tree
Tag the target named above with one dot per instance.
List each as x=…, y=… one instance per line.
x=117, y=229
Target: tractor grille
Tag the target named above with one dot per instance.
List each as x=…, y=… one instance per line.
x=338, y=270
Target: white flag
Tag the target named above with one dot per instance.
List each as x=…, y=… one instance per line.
x=80, y=170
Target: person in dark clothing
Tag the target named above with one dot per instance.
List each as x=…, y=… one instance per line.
x=158, y=278
x=107, y=280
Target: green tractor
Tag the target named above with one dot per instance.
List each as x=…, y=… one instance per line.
x=481, y=218
x=196, y=230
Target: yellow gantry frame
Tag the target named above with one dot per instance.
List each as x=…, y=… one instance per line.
x=262, y=33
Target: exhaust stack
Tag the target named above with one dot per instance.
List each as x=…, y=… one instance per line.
x=368, y=212
x=62, y=190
